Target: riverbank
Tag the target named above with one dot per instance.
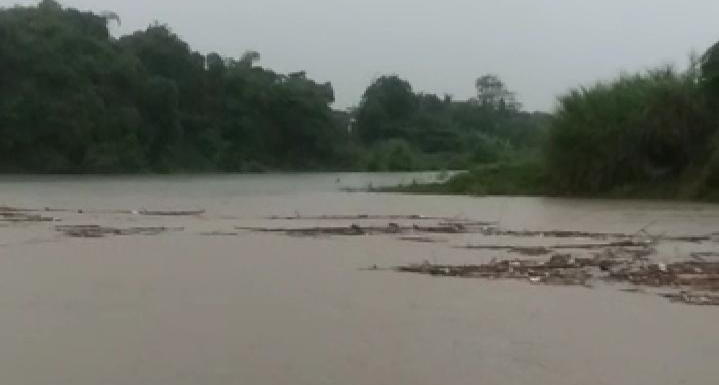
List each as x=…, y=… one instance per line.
x=532, y=179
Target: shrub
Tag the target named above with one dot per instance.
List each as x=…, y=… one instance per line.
x=637, y=129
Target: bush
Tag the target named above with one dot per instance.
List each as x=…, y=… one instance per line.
x=644, y=128
x=525, y=178
x=393, y=155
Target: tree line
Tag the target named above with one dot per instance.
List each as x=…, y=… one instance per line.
x=75, y=99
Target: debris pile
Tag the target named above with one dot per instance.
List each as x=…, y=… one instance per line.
x=564, y=269
x=694, y=275
x=560, y=269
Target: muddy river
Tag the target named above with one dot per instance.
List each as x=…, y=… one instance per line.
x=291, y=279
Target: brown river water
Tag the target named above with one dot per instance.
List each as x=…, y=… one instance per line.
x=205, y=303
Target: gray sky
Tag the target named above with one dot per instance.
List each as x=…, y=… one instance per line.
x=540, y=48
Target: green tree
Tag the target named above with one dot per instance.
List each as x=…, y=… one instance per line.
x=492, y=93
x=709, y=65
x=386, y=106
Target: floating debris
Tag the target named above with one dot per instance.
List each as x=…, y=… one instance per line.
x=495, y=231
x=95, y=231
x=632, y=290
x=524, y=250
x=171, y=213
x=559, y=270
x=642, y=247
x=357, y=217
x=421, y=239
x=356, y=229
x=695, y=275
x=448, y=228
x=7, y=209
x=220, y=234
x=620, y=244
x=564, y=269
x=696, y=299
x=19, y=217
x=451, y=226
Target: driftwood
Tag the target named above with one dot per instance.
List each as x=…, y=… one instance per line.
x=494, y=231
x=220, y=234
x=442, y=221
x=15, y=210
x=544, y=250
x=482, y=228
x=370, y=217
x=420, y=239
x=591, y=246
x=689, y=298
x=524, y=250
x=171, y=213
x=316, y=231
x=95, y=231
x=17, y=217
x=356, y=229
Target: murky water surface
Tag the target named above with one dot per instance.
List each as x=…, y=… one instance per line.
x=205, y=303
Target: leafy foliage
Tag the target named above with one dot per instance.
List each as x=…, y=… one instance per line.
x=492, y=93
x=451, y=134
x=75, y=99
x=643, y=128
x=504, y=178
x=710, y=72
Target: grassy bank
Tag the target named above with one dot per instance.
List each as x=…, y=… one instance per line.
x=533, y=179
x=498, y=179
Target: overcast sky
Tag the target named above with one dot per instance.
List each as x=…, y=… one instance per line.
x=540, y=48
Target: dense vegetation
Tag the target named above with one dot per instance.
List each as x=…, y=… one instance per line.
x=74, y=99
x=653, y=134
x=404, y=129
x=635, y=133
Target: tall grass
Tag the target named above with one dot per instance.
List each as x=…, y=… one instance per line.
x=650, y=128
